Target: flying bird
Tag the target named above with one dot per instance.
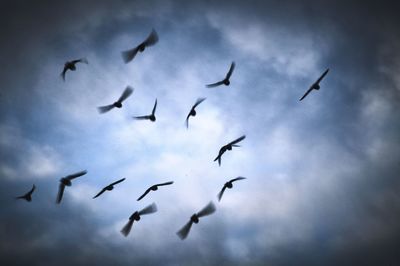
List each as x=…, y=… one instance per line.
x=127, y=92
x=228, y=185
x=109, y=187
x=315, y=85
x=225, y=81
x=207, y=210
x=193, y=111
x=128, y=55
x=66, y=181
x=154, y=188
x=70, y=65
x=150, y=117
x=136, y=217
x=228, y=147
x=28, y=196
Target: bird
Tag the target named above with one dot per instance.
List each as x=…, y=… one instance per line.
x=193, y=111
x=154, y=188
x=28, y=195
x=315, y=85
x=70, y=65
x=66, y=181
x=150, y=117
x=128, y=55
x=136, y=217
x=228, y=147
x=228, y=185
x=207, y=210
x=127, y=92
x=109, y=187
x=225, y=81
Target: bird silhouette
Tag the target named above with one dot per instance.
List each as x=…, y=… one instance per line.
x=66, y=181
x=228, y=147
x=71, y=65
x=128, y=55
x=136, y=217
x=154, y=188
x=109, y=187
x=226, y=80
x=315, y=85
x=207, y=210
x=28, y=196
x=127, y=92
x=228, y=185
x=193, y=111
x=150, y=117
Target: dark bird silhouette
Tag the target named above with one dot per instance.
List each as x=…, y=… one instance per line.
x=127, y=92
x=109, y=187
x=228, y=147
x=28, y=196
x=128, y=55
x=66, y=181
x=70, y=65
x=228, y=185
x=315, y=85
x=150, y=117
x=136, y=217
x=193, y=111
x=207, y=210
x=225, y=81
x=154, y=188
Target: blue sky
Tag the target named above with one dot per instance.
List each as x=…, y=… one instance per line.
x=321, y=187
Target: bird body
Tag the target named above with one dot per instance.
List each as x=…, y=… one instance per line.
x=27, y=196
x=67, y=181
x=71, y=65
x=128, y=55
x=228, y=147
x=108, y=187
x=226, y=80
x=154, y=188
x=151, y=117
x=315, y=85
x=193, y=111
x=118, y=104
x=228, y=185
x=136, y=217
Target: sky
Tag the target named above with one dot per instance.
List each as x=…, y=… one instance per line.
x=322, y=183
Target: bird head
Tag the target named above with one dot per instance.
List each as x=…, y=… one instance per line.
x=316, y=86
x=228, y=184
x=152, y=118
x=193, y=112
x=194, y=218
x=229, y=147
x=154, y=188
x=227, y=82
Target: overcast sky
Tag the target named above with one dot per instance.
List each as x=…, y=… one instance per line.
x=322, y=183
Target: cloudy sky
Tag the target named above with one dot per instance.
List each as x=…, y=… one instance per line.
x=322, y=183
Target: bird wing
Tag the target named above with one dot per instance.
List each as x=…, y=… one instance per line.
x=237, y=178
x=116, y=182
x=199, y=101
x=322, y=76
x=237, y=140
x=105, y=109
x=81, y=173
x=187, y=120
x=149, y=209
x=165, y=184
x=61, y=188
x=33, y=189
x=63, y=73
x=184, y=231
x=154, y=108
x=305, y=95
x=151, y=39
x=229, y=74
x=219, y=83
x=207, y=210
x=144, y=117
x=127, y=92
x=128, y=55
x=127, y=228
x=221, y=193
x=101, y=192
x=144, y=194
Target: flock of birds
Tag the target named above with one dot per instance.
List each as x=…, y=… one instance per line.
x=210, y=208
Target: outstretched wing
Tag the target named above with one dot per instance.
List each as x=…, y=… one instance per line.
x=61, y=188
x=127, y=92
x=219, y=83
x=184, y=231
x=154, y=108
x=149, y=209
x=221, y=193
x=165, y=184
x=207, y=210
x=63, y=73
x=322, y=76
x=81, y=173
x=151, y=39
x=187, y=121
x=144, y=194
x=116, y=182
x=128, y=55
x=199, y=101
x=229, y=74
x=105, y=109
x=142, y=117
x=127, y=228
x=237, y=178
x=305, y=95
x=81, y=60
x=33, y=189
x=98, y=194
x=237, y=140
